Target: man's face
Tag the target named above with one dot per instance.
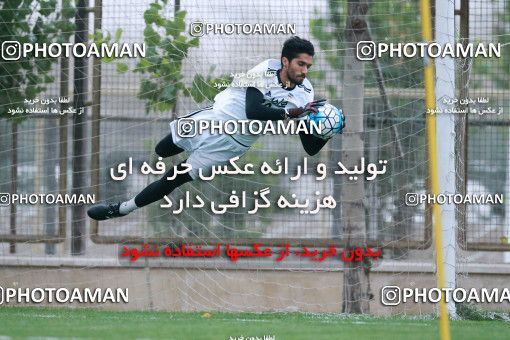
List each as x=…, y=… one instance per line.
x=298, y=68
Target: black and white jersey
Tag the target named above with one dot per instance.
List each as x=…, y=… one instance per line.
x=230, y=104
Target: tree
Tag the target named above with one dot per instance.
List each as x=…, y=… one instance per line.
x=32, y=22
x=167, y=47
x=28, y=22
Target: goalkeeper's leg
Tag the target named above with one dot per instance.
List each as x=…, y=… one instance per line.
x=152, y=193
x=167, y=148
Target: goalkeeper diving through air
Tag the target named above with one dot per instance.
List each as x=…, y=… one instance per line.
x=292, y=98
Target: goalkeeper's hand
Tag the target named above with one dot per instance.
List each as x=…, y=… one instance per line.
x=303, y=111
x=343, y=122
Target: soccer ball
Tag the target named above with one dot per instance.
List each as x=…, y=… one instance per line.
x=330, y=119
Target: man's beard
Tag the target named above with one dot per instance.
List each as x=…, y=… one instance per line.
x=298, y=81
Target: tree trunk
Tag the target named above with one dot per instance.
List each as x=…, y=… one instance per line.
x=14, y=182
x=79, y=143
x=356, y=296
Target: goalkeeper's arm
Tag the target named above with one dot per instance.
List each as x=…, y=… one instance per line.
x=312, y=144
x=256, y=110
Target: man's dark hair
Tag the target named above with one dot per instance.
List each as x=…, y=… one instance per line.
x=294, y=46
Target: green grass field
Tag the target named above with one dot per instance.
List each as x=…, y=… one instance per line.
x=19, y=322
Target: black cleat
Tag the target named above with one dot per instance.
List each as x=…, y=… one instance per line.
x=100, y=212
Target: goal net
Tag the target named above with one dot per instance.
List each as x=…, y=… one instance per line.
x=195, y=48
